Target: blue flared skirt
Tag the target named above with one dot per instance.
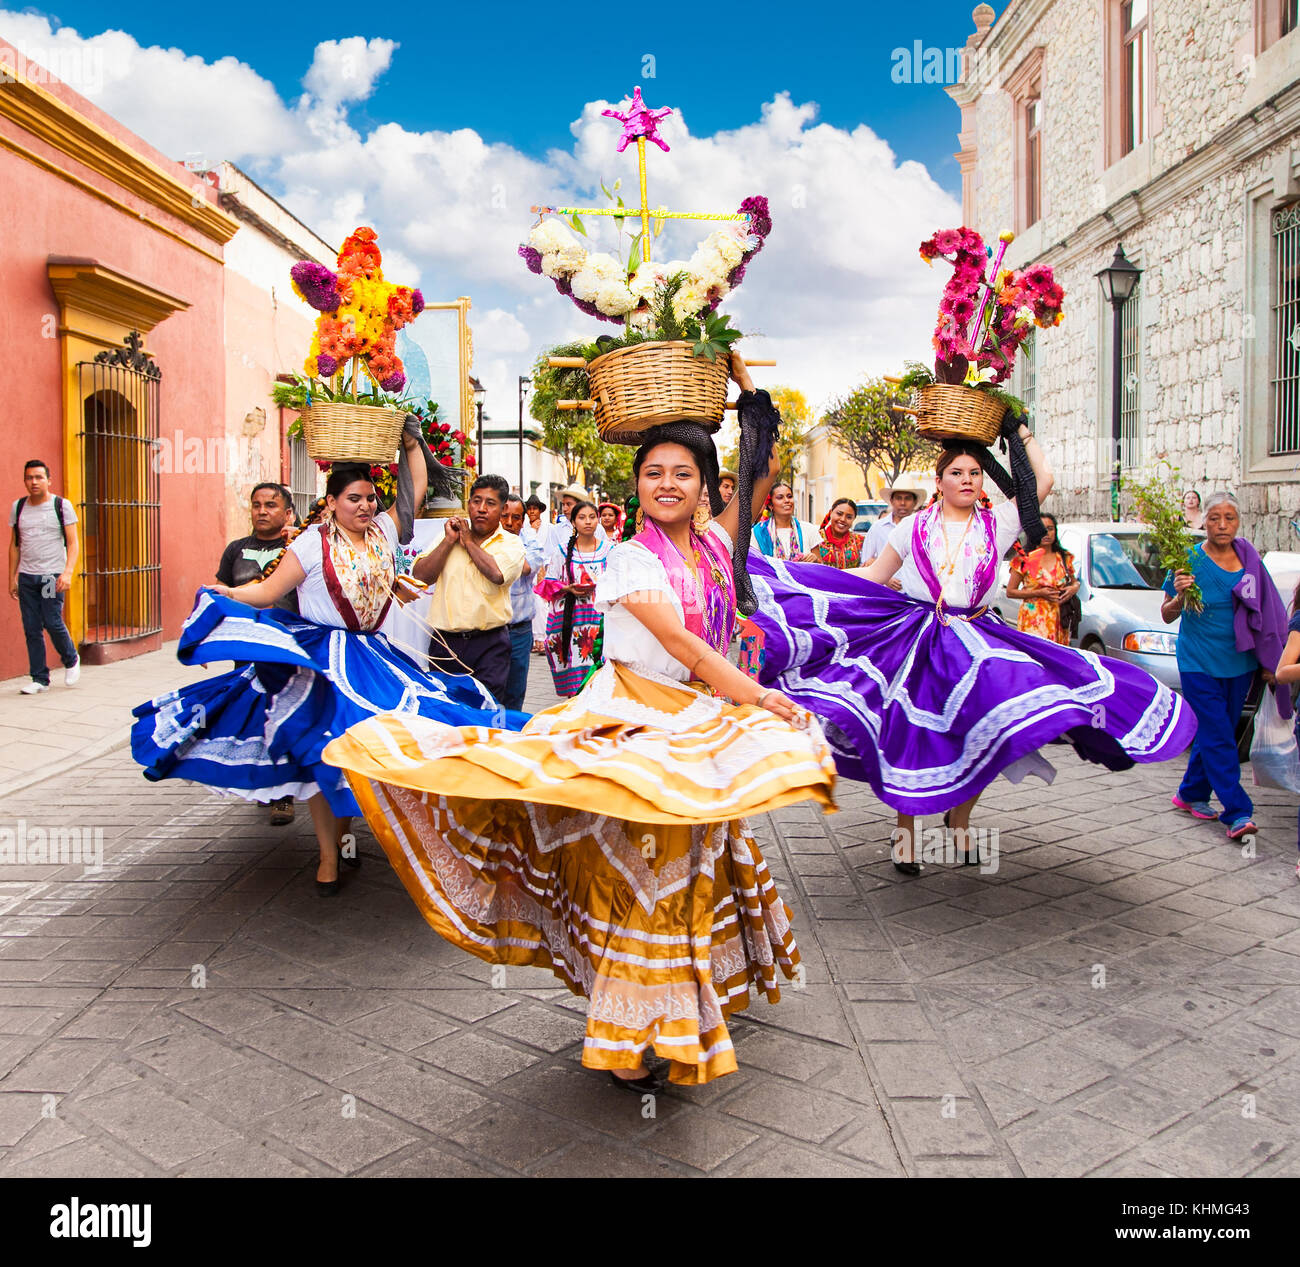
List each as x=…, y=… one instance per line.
x=258, y=730
x=930, y=713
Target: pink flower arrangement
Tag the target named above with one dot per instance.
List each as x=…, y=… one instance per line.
x=978, y=334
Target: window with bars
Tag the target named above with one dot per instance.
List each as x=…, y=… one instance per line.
x=1033, y=160
x=1135, y=32
x=303, y=476
x=1130, y=377
x=1027, y=378
x=1290, y=16
x=1285, y=383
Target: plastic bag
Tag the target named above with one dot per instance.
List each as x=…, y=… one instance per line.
x=1274, y=757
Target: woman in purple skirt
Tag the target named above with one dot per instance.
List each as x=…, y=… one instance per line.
x=927, y=694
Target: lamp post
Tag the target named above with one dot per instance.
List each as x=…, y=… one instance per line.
x=1118, y=281
x=479, y=394
x=523, y=387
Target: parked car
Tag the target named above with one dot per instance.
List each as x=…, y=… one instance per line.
x=868, y=513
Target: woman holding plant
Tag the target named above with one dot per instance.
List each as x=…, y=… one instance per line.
x=1043, y=579
x=1232, y=624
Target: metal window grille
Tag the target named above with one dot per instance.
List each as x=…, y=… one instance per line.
x=1135, y=34
x=1130, y=369
x=1027, y=386
x=121, y=577
x=1290, y=16
x=302, y=476
x=1285, y=385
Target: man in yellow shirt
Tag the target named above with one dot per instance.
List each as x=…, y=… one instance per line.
x=473, y=566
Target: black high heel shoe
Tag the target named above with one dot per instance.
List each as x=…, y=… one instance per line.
x=650, y=1084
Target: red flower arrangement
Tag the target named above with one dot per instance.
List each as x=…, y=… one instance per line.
x=978, y=335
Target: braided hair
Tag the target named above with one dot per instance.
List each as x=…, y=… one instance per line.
x=566, y=575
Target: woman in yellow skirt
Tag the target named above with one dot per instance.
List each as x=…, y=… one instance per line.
x=606, y=841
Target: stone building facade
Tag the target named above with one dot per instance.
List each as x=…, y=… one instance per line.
x=1170, y=126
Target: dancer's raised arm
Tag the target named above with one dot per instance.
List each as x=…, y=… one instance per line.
x=729, y=520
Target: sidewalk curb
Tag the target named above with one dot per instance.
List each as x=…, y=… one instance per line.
x=101, y=747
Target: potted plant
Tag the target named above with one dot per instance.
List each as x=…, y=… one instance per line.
x=984, y=318
x=354, y=342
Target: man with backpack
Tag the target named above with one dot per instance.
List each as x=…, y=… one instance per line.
x=42, y=557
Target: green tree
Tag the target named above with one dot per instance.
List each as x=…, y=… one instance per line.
x=871, y=433
x=572, y=432
x=796, y=420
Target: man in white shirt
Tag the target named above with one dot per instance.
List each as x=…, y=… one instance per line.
x=42, y=557
x=902, y=502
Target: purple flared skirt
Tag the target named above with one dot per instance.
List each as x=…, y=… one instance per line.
x=928, y=713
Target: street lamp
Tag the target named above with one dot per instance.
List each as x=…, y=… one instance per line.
x=1118, y=281
x=524, y=383
x=479, y=395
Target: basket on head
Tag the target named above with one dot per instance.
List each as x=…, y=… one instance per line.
x=337, y=431
x=641, y=386
x=949, y=411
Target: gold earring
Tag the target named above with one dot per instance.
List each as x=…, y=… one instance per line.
x=640, y=519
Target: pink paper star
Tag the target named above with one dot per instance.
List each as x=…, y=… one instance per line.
x=639, y=121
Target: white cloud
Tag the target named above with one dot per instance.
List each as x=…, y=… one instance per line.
x=838, y=291
x=346, y=70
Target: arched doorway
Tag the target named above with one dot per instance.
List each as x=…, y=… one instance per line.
x=121, y=590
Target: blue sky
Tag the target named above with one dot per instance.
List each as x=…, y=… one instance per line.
x=517, y=73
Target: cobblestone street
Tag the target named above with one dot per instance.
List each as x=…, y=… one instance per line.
x=194, y=1009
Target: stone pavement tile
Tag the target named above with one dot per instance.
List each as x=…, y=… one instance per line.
x=971, y=1167
x=1112, y=938
x=187, y=1057
x=1280, y=1012
x=1243, y=1046
x=331, y=1004
x=414, y=1095
x=156, y=1125
x=877, y=1020
x=698, y=1138
x=784, y=1054
x=258, y=970
x=538, y=1027
x=589, y=1159
x=1048, y=1070
x=915, y=1069
x=982, y=1034
x=248, y=1159
x=226, y=1010
x=1254, y=919
x=1216, y=938
x=894, y=898
x=1087, y=902
x=1285, y=1164
x=816, y=1011
x=943, y=1127
x=1270, y=965
x=783, y=1161
x=864, y=965
x=27, y=971
x=994, y=900
x=401, y=1025
x=810, y=864
x=509, y=1136
x=1218, y=1140
x=879, y=991
x=313, y=1048
x=873, y=1144
x=1122, y=1040
x=43, y=1135
x=81, y=1159
x=108, y=1019
x=1181, y=874
x=256, y=1089
x=1052, y=884
x=791, y=1109
x=30, y=947
x=319, y=1129
x=1140, y=1106
x=937, y=955
x=107, y=972
x=471, y=1004
x=586, y=1097
x=829, y=885
x=1186, y=1007
x=20, y=1111
x=841, y=935
x=476, y=1056
x=1194, y=904
x=938, y=917
x=1004, y=1104
x=58, y=1065
x=1064, y=1145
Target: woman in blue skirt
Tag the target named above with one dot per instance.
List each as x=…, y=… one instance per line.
x=300, y=681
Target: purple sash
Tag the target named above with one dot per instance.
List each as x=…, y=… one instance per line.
x=928, y=525
x=714, y=623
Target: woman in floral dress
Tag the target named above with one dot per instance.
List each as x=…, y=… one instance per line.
x=574, y=626
x=1043, y=579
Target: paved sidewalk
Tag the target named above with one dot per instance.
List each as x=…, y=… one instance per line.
x=1121, y=997
x=41, y=735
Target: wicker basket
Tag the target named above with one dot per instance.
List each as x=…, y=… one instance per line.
x=639, y=387
x=336, y=431
x=949, y=411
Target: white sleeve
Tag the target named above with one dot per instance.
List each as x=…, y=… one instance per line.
x=389, y=529
x=306, y=546
x=1006, y=522
x=812, y=536
x=631, y=569
x=901, y=538
x=722, y=535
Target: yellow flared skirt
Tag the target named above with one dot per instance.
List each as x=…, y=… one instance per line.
x=606, y=842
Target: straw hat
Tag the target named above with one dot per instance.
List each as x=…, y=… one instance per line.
x=725, y=474
x=917, y=495
x=575, y=490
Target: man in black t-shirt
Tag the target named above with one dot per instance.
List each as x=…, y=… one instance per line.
x=271, y=510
